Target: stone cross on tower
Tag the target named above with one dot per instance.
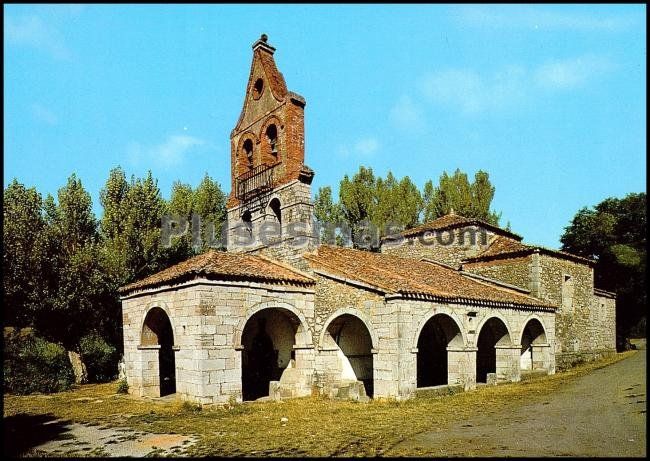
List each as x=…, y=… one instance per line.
x=270, y=183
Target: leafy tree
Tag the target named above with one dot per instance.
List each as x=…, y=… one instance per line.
x=398, y=203
x=210, y=205
x=328, y=213
x=358, y=196
x=208, y=202
x=614, y=233
x=79, y=301
x=24, y=254
x=455, y=192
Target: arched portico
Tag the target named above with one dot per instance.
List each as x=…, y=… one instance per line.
x=496, y=353
x=350, y=340
x=535, y=349
x=270, y=343
x=438, y=338
x=157, y=348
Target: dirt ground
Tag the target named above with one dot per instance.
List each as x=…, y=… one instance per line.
x=599, y=414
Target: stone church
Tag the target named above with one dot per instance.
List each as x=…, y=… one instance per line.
x=286, y=317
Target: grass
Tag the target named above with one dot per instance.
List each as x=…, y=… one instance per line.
x=316, y=426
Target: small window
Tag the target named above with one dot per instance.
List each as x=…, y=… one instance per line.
x=258, y=87
x=272, y=134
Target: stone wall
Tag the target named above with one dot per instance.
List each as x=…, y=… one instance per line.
x=285, y=241
x=208, y=319
x=514, y=271
x=604, y=320
x=579, y=335
x=449, y=246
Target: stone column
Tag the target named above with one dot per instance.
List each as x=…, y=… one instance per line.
x=508, y=363
x=461, y=366
x=542, y=358
x=150, y=370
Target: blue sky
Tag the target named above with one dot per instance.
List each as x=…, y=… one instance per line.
x=549, y=99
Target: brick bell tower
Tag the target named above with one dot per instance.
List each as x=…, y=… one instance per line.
x=269, y=207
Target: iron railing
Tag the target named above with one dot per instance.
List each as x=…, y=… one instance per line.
x=254, y=182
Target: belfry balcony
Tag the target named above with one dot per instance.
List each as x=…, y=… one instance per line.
x=255, y=182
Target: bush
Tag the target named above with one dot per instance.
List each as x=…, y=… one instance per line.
x=32, y=364
x=99, y=357
x=122, y=387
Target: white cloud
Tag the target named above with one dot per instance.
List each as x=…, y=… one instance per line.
x=531, y=17
x=570, y=73
x=362, y=147
x=406, y=115
x=471, y=92
x=366, y=146
x=167, y=154
x=43, y=114
x=33, y=31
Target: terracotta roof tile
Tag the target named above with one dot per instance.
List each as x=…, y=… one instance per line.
x=220, y=265
x=451, y=221
x=503, y=247
x=394, y=275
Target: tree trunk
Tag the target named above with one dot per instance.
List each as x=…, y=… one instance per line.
x=79, y=368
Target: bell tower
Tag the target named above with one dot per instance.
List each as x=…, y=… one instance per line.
x=269, y=206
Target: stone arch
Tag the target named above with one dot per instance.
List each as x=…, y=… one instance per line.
x=527, y=321
x=436, y=337
x=425, y=320
x=354, y=312
x=266, y=155
x=164, y=307
x=348, y=345
x=272, y=339
x=494, y=344
x=303, y=334
x=495, y=315
x=157, y=339
x=274, y=208
x=535, y=350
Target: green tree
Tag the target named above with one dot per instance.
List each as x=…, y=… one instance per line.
x=210, y=205
x=24, y=254
x=80, y=300
x=456, y=193
x=328, y=213
x=614, y=233
x=398, y=203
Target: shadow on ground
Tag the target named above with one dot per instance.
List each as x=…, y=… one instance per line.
x=23, y=432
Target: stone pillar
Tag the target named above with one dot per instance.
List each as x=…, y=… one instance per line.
x=461, y=366
x=305, y=362
x=150, y=370
x=508, y=363
x=542, y=358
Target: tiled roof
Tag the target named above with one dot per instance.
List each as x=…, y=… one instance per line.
x=394, y=275
x=451, y=221
x=220, y=265
x=504, y=247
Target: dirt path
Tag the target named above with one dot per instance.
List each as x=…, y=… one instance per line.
x=600, y=414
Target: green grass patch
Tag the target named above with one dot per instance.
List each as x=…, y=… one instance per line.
x=315, y=427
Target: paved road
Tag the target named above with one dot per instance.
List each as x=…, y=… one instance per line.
x=600, y=414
